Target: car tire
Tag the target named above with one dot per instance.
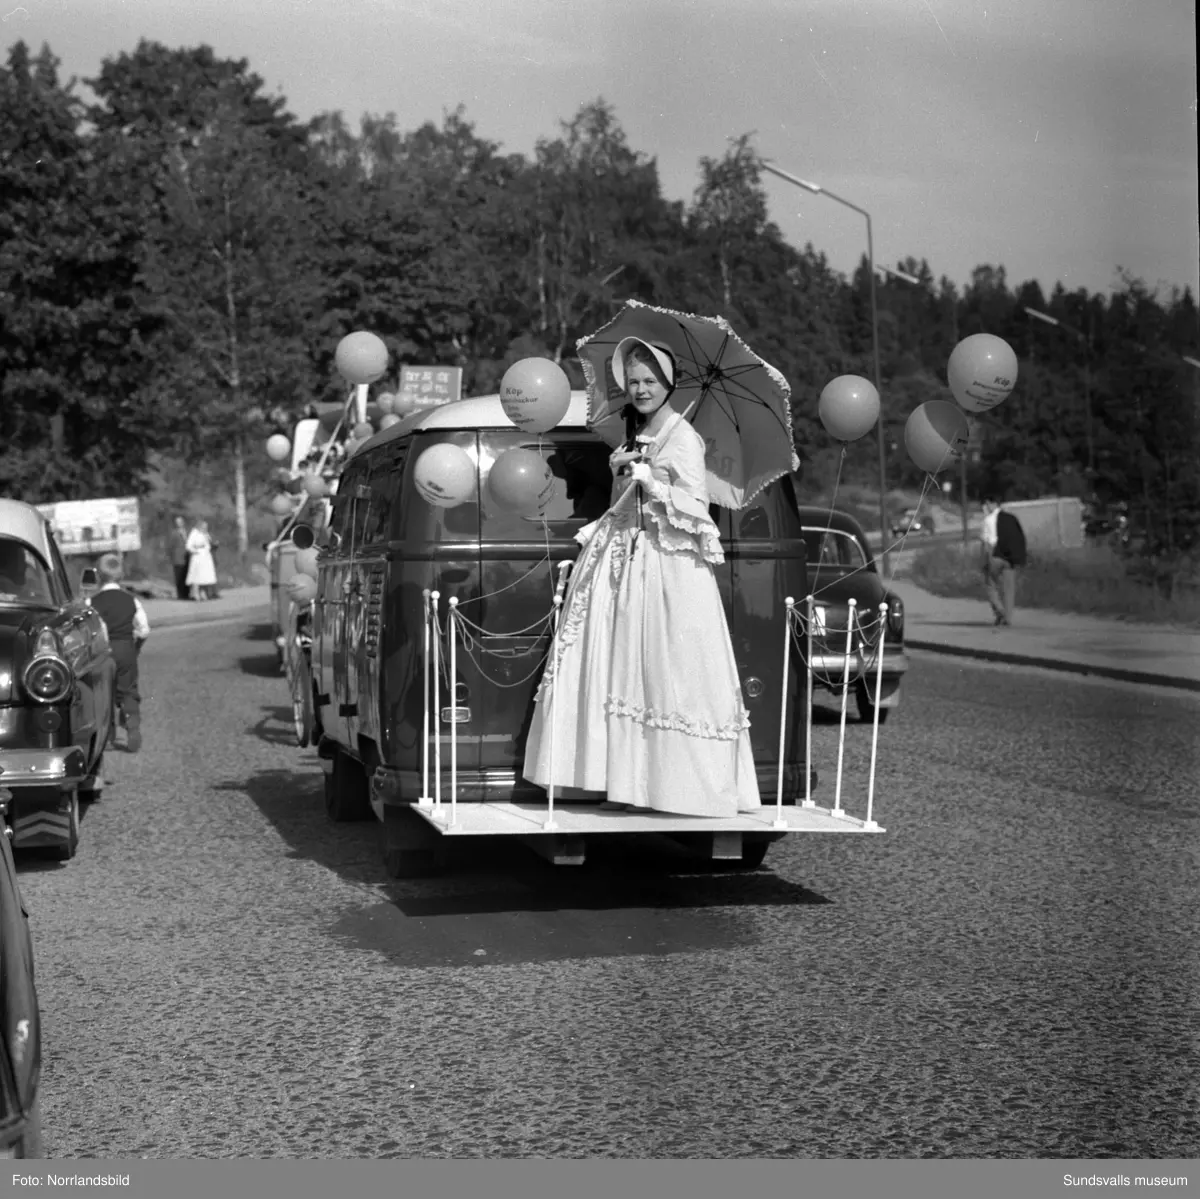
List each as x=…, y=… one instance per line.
x=347, y=791
x=866, y=709
x=300, y=681
x=66, y=851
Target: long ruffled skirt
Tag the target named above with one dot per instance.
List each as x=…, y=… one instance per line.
x=643, y=689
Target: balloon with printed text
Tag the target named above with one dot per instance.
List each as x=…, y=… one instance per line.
x=936, y=435
x=982, y=371
x=535, y=394
x=361, y=357
x=848, y=407
x=521, y=481
x=444, y=475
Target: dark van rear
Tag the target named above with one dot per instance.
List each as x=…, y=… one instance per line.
x=388, y=546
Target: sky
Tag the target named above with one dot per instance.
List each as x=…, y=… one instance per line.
x=1054, y=137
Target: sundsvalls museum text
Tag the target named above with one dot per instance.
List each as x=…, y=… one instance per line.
x=1123, y=1180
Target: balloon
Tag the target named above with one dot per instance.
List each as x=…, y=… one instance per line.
x=982, y=372
x=386, y=422
x=384, y=402
x=520, y=481
x=363, y=431
x=306, y=562
x=849, y=407
x=444, y=475
x=302, y=588
x=314, y=485
x=935, y=435
x=402, y=405
x=278, y=447
x=281, y=505
x=535, y=394
x=361, y=357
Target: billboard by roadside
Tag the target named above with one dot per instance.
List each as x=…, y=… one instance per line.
x=95, y=526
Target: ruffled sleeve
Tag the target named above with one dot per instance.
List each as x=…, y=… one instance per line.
x=678, y=496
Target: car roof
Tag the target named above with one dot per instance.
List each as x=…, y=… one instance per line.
x=474, y=412
x=25, y=523
x=812, y=517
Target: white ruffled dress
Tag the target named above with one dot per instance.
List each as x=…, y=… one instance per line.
x=643, y=687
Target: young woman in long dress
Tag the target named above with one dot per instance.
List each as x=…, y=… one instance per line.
x=642, y=686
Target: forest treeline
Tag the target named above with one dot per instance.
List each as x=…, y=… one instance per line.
x=179, y=256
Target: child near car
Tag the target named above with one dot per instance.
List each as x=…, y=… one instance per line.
x=128, y=627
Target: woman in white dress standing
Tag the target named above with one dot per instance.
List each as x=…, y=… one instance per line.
x=643, y=686
x=201, y=571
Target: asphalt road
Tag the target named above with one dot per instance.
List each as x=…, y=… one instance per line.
x=1012, y=970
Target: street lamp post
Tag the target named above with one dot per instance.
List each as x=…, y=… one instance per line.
x=818, y=190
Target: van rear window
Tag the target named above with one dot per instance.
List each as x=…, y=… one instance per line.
x=582, y=487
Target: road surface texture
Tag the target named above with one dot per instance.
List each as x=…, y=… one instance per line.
x=1012, y=970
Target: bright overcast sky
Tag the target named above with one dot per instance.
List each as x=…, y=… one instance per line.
x=1055, y=137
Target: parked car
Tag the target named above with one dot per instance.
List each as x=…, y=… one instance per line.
x=20, y=1031
x=841, y=567
x=912, y=520
x=57, y=676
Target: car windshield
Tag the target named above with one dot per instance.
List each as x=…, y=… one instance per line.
x=24, y=578
x=832, y=547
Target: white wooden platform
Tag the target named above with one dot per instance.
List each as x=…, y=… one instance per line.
x=575, y=819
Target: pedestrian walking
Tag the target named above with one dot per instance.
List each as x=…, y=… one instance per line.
x=1004, y=554
x=201, y=574
x=179, y=557
x=128, y=627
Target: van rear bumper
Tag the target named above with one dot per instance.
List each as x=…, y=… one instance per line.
x=391, y=787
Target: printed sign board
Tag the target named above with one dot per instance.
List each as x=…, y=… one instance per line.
x=95, y=526
x=427, y=386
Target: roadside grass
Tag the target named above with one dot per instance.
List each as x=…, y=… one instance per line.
x=1092, y=581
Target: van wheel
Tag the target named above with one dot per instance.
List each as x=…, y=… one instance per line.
x=347, y=791
x=866, y=709
x=66, y=851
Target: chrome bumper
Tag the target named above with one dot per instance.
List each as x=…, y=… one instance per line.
x=42, y=767
x=832, y=665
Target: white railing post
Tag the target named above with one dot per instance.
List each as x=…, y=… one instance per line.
x=869, y=823
x=783, y=693
x=452, y=626
x=551, y=706
x=425, y=800
x=850, y=620
x=809, y=802
x=437, y=708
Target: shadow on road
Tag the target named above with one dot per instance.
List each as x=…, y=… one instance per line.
x=275, y=726
x=262, y=666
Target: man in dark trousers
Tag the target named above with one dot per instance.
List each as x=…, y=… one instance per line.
x=128, y=628
x=179, y=558
x=1006, y=557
